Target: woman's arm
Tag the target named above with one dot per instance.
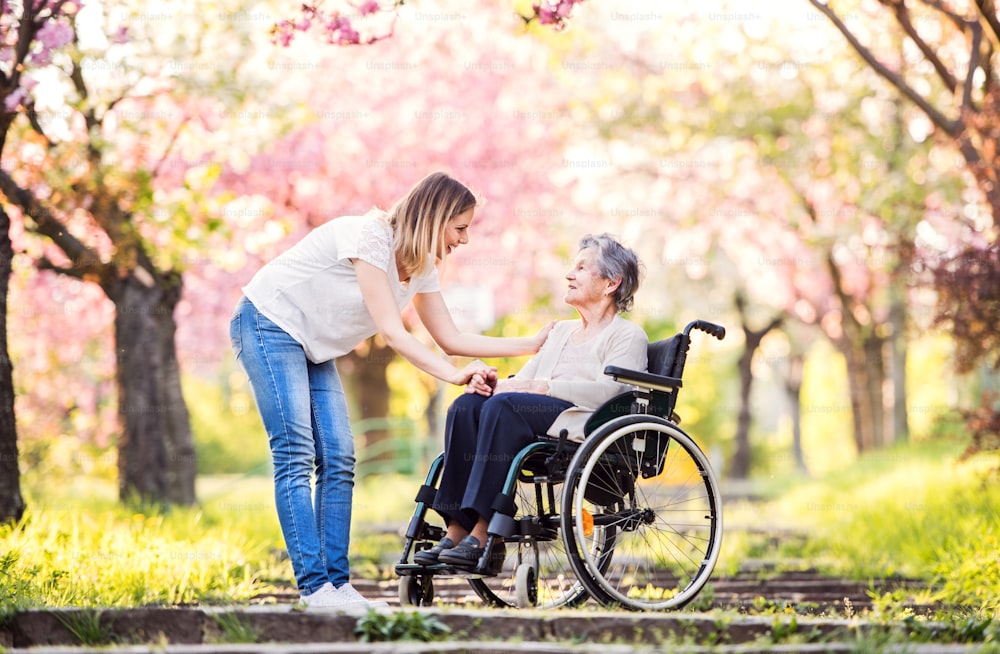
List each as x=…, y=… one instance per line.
x=381, y=304
x=437, y=320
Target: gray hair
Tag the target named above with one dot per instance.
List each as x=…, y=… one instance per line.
x=616, y=262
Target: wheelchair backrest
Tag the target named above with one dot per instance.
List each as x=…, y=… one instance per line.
x=661, y=359
x=662, y=356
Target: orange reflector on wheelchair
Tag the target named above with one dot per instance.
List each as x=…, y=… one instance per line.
x=588, y=523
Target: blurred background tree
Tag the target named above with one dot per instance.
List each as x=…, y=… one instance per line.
x=785, y=181
x=942, y=57
x=764, y=174
x=28, y=34
x=110, y=167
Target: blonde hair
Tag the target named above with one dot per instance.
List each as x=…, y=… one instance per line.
x=419, y=218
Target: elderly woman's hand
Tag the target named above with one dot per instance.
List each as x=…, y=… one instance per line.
x=482, y=384
x=536, y=386
x=465, y=375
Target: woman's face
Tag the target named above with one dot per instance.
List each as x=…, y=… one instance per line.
x=456, y=232
x=586, y=286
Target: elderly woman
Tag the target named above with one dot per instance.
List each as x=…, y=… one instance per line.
x=557, y=389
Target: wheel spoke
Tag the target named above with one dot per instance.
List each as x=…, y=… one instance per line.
x=666, y=518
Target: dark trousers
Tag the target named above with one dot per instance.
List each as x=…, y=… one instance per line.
x=482, y=436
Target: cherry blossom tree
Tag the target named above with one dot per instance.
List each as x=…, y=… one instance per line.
x=427, y=99
x=959, y=40
x=812, y=185
x=30, y=32
x=369, y=21
x=123, y=136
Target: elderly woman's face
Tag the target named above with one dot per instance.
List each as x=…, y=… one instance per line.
x=586, y=286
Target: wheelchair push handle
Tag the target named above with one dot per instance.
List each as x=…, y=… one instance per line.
x=710, y=328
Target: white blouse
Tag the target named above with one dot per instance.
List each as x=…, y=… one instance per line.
x=311, y=290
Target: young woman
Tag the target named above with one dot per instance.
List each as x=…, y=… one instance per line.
x=343, y=282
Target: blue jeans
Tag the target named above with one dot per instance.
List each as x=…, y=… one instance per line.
x=304, y=411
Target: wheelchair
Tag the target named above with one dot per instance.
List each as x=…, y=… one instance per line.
x=631, y=516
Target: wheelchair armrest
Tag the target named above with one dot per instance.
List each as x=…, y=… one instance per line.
x=643, y=379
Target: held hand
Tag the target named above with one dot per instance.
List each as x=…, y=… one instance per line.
x=479, y=384
x=464, y=375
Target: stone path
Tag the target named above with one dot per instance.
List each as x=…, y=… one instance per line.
x=825, y=618
x=155, y=629
x=806, y=591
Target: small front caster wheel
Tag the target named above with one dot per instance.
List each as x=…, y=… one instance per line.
x=416, y=590
x=526, y=586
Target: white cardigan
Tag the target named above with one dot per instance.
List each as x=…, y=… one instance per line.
x=621, y=343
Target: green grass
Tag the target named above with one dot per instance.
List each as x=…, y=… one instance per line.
x=913, y=511
x=98, y=557
x=228, y=434
x=77, y=546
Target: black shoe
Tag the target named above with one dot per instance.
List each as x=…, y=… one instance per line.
x=468, y=552
x=430, y=556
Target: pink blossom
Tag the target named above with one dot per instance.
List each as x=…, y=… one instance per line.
x=120, y=36
x=368, y=7
x=54, y=35
x=339, y=30
x=545, y=15
x=336, y=22
x=554, y=13
x=282, y=33
x=348, y=36
x=15, y=99
x=41, y=57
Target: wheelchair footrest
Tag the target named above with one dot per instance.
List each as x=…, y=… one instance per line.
x=437, y=570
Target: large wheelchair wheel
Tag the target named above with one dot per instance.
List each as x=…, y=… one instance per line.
x=642, y=514
x=537, y=571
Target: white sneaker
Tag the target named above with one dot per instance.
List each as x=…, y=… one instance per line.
x=348, y=591
x=328, y=598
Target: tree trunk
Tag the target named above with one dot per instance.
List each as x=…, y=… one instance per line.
x=866, y=375
x=862, y=351
x=793, y=391
x=739, y=466
x=11, y=501
x=875, y=377
x=861, y=418
x=900, y=424
x=156, y=457
x=366, y=367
